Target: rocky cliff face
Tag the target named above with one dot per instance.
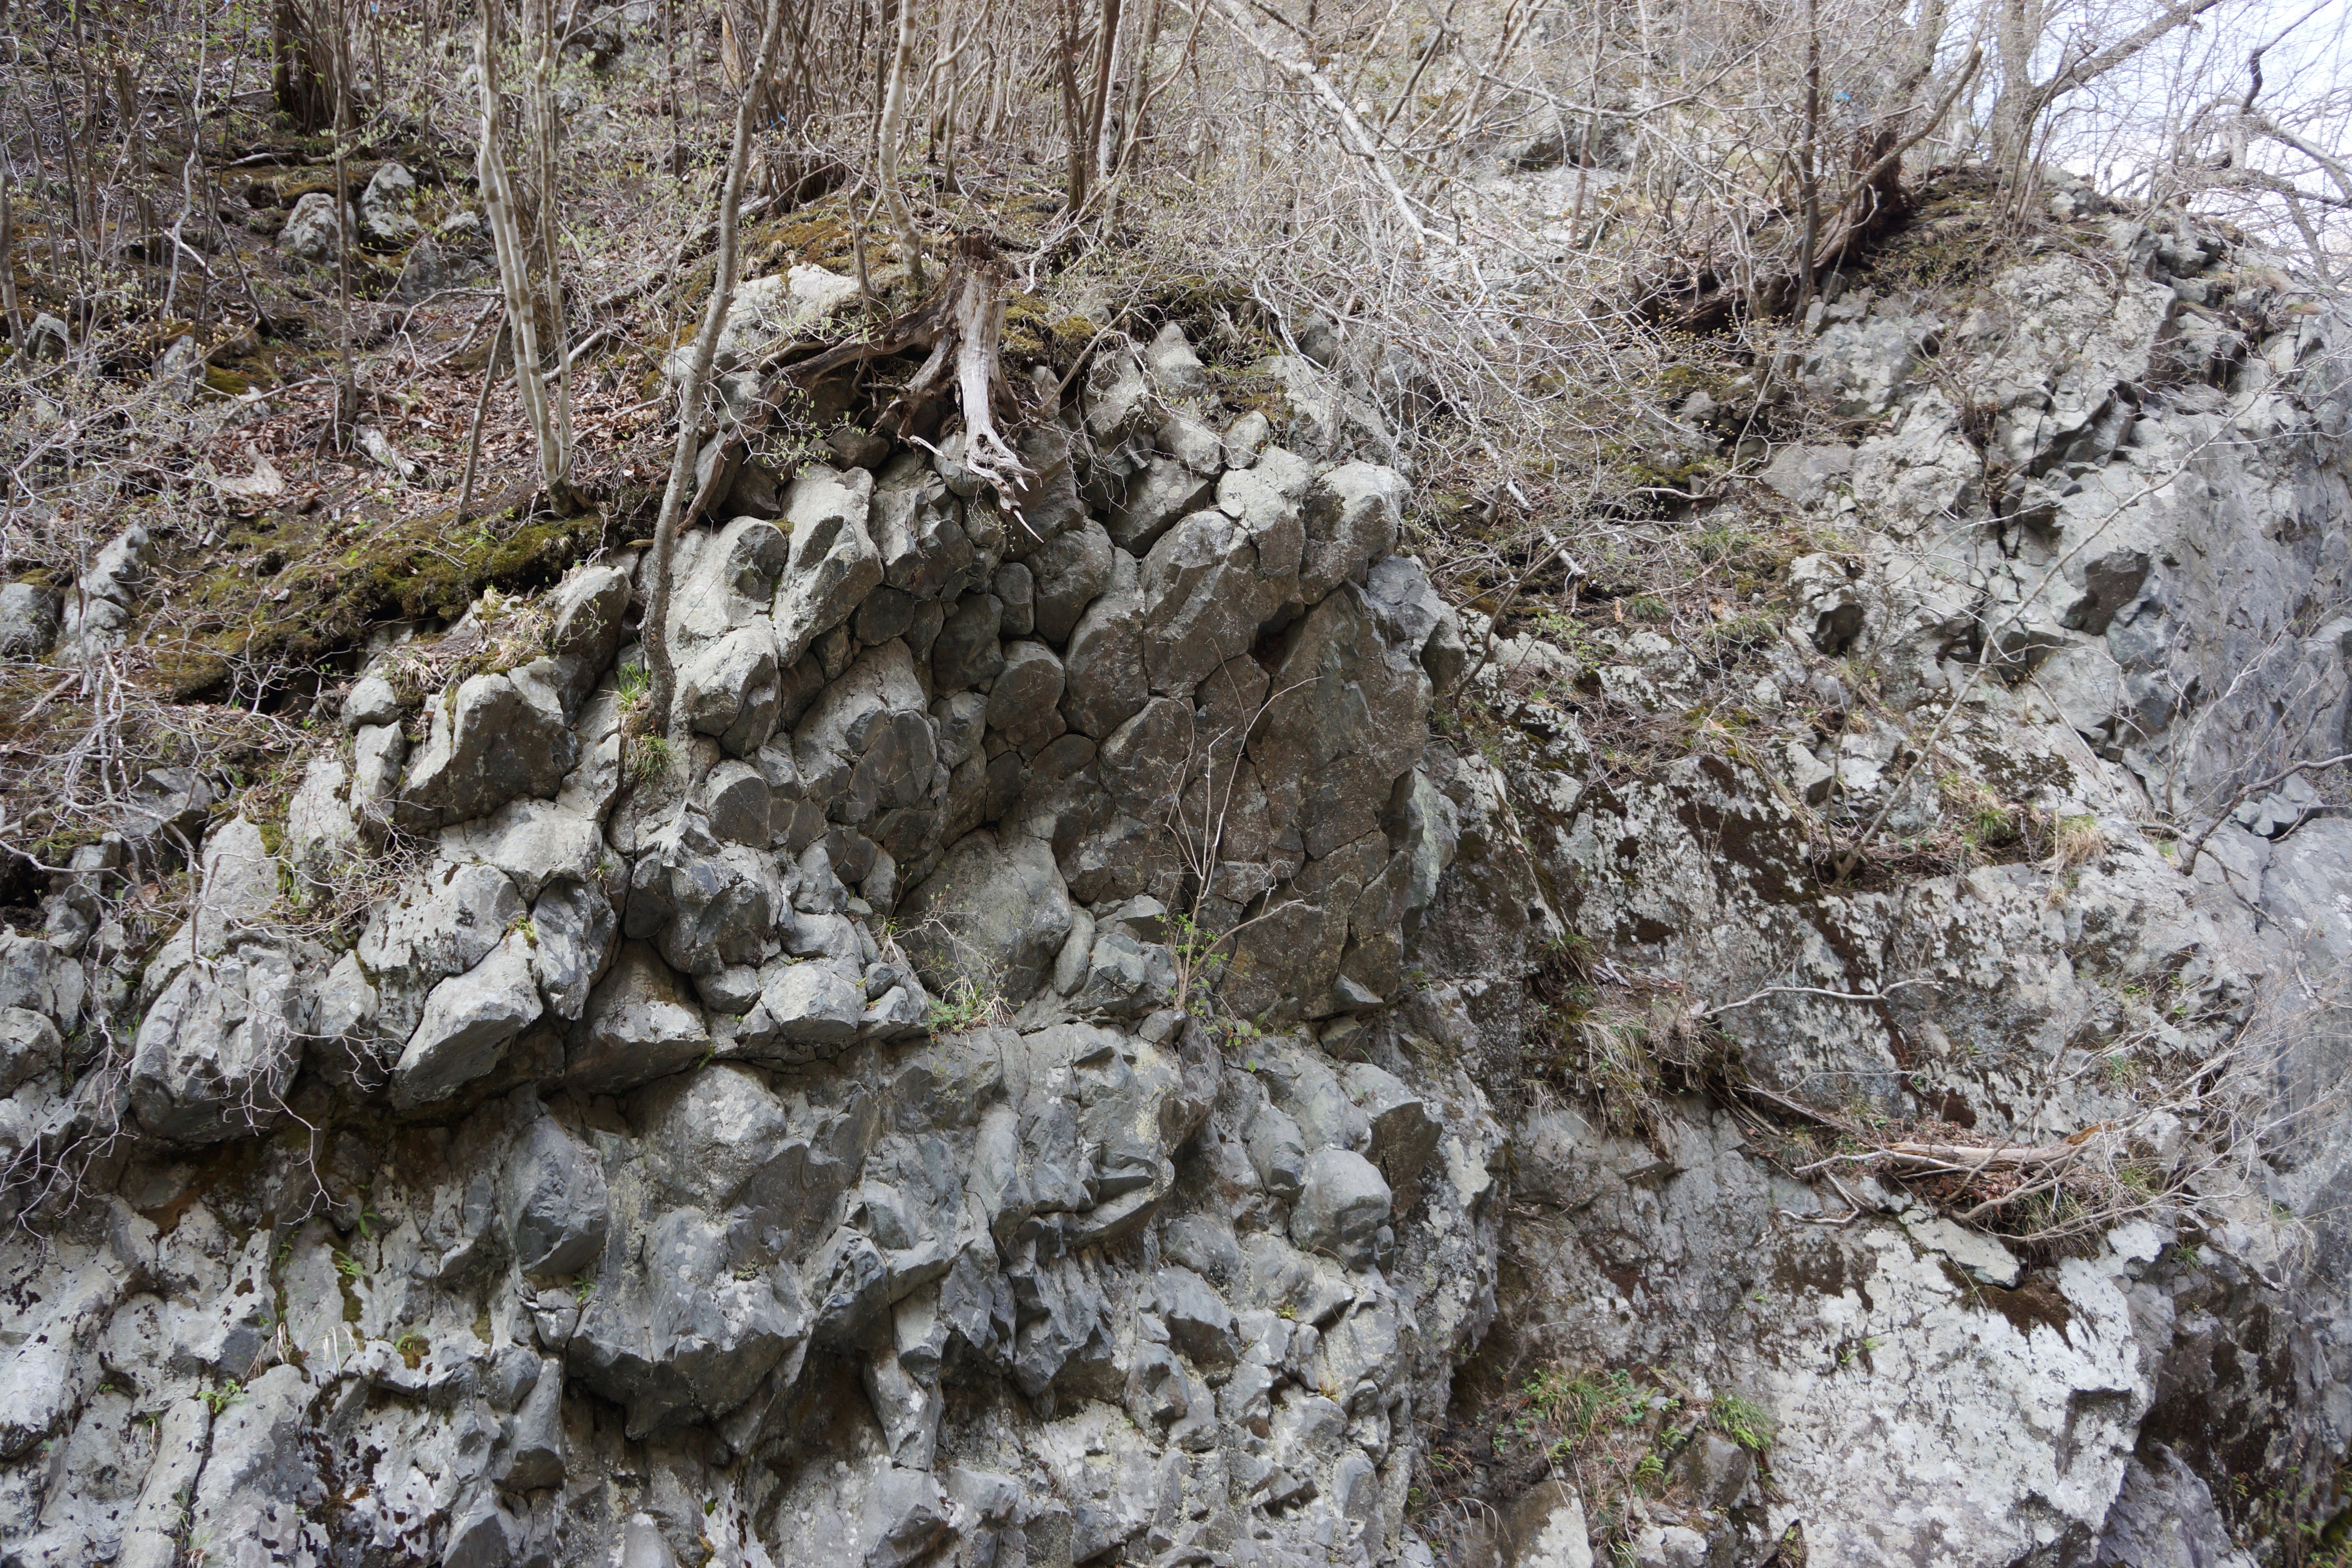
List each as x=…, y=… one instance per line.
x=1056, y=1061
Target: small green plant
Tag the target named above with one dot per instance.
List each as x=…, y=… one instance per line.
x=219, y=1399
x=412, y=1347
x=631, y=682
x=584, y=1287
x=962, y=1005
x=1742, y=1421
x=1649, y=1472
x=645, y=757
x=368, y=1219
x=349, y=1268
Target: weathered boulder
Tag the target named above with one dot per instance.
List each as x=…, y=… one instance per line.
x=493, y=738
x=834, y=563
x=29, y=619
x=730, y=689
x=440, y=925
x=216, y=1053
x=1024, y=705
x=30, y=1048
x=993, y=917
x=704, y=904
x=1342, y=1204
x=384, y=217
x=1068, y=573
x=553, y=1198
x=637, y=1028
x=311, y=231
x=467, y=1023
x=1351, y=515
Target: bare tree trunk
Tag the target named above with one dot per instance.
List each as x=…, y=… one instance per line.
x=1809, y=168
x=547, y=128
x=890, y=136
x=514, y=258
x=9, y=265
x=347, y=396
x=1106, y=62
x=655, y=716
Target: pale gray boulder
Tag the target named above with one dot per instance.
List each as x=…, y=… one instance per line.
x=216, y=1053
x=311, y=231
x=29, y=620
x=834, y=563
x=495, y=738
x=553, y=1198
x=730, y=691
x=1342, y=1203
x=637, y=1027
x=467, y=1023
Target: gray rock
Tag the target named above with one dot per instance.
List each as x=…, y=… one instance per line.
x=1403, y=1133
x=1715, y=1471
x=1545, y=1529
x=1245, y=437
x=725, y=580
x=443, y=925
x=37, y=977
x=865, y=748
x=537, y=1453
x=495, y=738
x=1103, y=667
x=918, y=531
x=1806, y=474
x=1277, y=1150
x=379, y=752
x=1352, y=515
x=47, y=338
x=833, y=562
x=1174, y=369
x=468, y=1022
x=323, y=836
x=815, y=1011
x=591, y=610
x=965, y=653
x=1209, y=585
x=30, y=1048
x=29, y=620
x=259, y=1480
x=993, y=915
x=533, y=842
x=730, y=689
x=383, y=206
x=636, y=1027
x=1044, y=502
x=311, y=231
x=425, y=271
x=735, y=800
x=1163, y=490
x=553, y=1200
x=217, y=1051
x=1024, y=705
x=706, y=904
x=1070, y=571
x=1342, y=1204
x=1199, y=1322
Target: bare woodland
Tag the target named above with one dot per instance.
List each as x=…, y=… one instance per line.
x=1014, y=185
